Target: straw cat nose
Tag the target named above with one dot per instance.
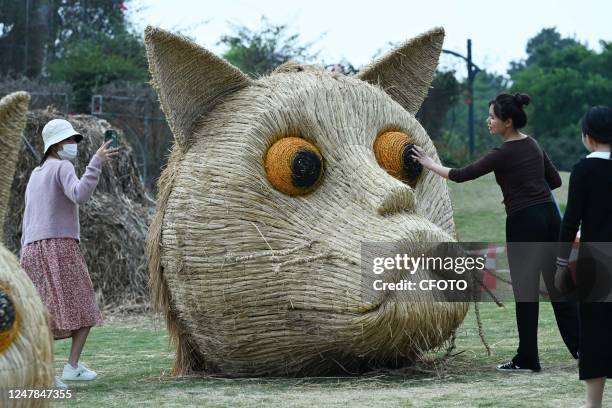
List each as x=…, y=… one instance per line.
x=400, y=198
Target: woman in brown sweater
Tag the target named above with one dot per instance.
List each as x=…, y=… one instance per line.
x=526, y=175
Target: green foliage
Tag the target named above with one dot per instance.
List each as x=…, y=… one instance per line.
x=93, y=48
x=542, y=49
x=564, y=78
x=258, y=52
x=77, y=20
x=88, y=64
x=34, y=33
x=24, y=33
x=453, y=146
x=84, y=43
x=444, y=93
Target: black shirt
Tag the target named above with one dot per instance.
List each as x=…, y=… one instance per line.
x=522, y=169
x=589, y=203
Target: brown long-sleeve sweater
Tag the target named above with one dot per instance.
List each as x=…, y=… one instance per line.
x=522, y=169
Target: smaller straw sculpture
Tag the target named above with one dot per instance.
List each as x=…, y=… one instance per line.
x=26, y=357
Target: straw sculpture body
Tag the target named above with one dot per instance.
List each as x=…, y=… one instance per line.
x=271, y=188
x=26, y=359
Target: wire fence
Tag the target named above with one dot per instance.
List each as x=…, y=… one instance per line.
x=144, y=126
x=40, y=100
x=138, y=116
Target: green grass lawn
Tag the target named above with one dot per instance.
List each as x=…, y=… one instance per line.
x=133, y=358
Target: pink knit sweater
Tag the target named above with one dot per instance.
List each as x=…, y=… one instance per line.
x=52, y=199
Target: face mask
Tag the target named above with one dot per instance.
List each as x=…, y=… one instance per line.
x=68, y=152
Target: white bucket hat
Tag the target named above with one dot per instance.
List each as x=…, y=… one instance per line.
x=57, y=130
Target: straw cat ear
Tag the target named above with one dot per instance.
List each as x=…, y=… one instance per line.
x=405, y=73
x=189, y=80
x=13, y=110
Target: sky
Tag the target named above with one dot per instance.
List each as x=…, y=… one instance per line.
x=356, y=31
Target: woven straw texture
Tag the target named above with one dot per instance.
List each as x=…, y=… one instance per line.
x=255, y=281
x=26, y=358
x=13, y=109
x=406, y=73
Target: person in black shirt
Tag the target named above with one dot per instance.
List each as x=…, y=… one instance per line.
x=526, y=175
x=589, y=205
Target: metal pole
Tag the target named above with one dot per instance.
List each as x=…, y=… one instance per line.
x=472, y=71
x=471, y=75
x=26, y=36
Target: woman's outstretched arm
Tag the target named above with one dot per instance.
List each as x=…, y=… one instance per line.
x=79, y=191
x=419, y=154
x=482, y=166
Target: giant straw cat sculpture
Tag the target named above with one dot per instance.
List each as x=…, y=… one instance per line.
x=270, y=189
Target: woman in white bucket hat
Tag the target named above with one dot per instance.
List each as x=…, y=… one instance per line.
x=50, y=252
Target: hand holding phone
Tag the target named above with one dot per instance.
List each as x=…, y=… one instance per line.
x=111, y=134
x=110, y=147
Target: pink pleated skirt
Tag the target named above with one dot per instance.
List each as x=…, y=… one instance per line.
x=59, y=272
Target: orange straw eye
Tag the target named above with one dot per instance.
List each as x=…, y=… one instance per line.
x=293, y=165
x=9, y=320
x=392, y=150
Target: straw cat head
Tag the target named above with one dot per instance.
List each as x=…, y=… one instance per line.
x=271, y=188
x=26, y=359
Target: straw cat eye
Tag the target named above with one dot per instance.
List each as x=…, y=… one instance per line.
x=293, y=165
x=392, y=149
x=9, y=327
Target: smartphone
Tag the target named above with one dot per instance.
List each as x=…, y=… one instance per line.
x=111, y=134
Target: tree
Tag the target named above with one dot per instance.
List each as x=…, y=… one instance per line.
x=86, y=43
x=453, y=140
x=24, y=34
x=34, y=33
x=258, y=52
x=94, y=46
x=564, y=78
x=542, y=48
x=80, y=20
x=444, y=93
x=87, y=65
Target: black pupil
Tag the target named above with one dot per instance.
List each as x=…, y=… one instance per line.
x=412, y=168
x=7, y=312
x=305, y=168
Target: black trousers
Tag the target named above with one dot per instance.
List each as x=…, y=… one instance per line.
x=537, y=223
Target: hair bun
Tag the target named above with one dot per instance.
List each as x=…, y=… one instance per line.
x=522, y=99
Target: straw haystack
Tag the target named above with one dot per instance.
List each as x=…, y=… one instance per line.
x=113, y=222
x=270, y=190
x=26, y=358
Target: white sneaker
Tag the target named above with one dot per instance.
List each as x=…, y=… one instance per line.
x=59, y=384
x=82, y=366
x=81, y=373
